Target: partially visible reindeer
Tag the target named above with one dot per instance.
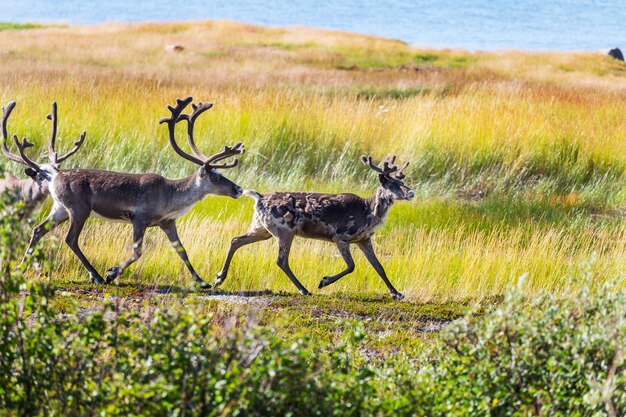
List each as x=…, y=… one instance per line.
x=339, y=218
x=34, y=190
x=144, y=200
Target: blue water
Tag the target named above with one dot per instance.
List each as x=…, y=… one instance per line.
x=474, y=25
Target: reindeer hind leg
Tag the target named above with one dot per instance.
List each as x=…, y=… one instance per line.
x=139, y=230
x=256, y=233
x=344, y=249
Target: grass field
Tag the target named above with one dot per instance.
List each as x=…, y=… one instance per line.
x=517, y=158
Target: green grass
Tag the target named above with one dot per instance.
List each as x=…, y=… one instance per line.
x=286, y=46
x=391, y=93
x=518, y=159
x=444, y=60
x=19, y=26
x=390, y=326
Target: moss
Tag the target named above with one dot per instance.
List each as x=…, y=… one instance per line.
x=390, y=326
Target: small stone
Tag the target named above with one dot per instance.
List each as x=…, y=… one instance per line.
x=616, y=53
x=174, y=48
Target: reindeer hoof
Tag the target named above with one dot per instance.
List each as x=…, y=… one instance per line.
x=113, y=273
x=97, y=279
x=305, y=292
x=323, y=283
x=218, y=281
x=397, y=296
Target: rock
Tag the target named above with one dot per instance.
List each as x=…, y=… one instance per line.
x=174, y=48
x=616, y=53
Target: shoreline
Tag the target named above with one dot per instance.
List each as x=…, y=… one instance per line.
x=64, y=23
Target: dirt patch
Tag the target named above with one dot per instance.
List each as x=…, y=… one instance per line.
x=257, y=301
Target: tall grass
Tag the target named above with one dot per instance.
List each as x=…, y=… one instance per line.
x=518, y=158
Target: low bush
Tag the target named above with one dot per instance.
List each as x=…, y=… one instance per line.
x=546, y=356
x=164, y=361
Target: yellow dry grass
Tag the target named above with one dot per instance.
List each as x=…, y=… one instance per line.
x=541, y=134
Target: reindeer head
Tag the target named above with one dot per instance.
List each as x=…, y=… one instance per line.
x=44, y=172
x=391, y=177
x=208, y=177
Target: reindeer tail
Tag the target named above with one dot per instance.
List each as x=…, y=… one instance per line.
x=253, y=194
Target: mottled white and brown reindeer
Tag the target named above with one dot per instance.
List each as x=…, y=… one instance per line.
x=34, y=190
x=144, y=200
x=339, y=218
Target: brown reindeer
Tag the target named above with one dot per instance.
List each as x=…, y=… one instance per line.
x=339, y=218
x=144, y=200
x=34, y=190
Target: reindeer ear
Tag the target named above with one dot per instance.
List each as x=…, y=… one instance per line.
x=364, y=159
x=30, y=172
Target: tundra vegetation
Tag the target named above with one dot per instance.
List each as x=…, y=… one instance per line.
x=517, y=162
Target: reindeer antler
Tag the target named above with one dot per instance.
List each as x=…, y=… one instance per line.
x=388, y=168
x=21, y=147
x=171, y=124
x=77, y=146
x=53, y=156
x=389, y=164
x=6, y=112
x=199, y=157
x=191, y=119
x=400, y=174
x=228, y=151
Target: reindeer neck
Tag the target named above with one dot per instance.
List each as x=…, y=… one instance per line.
x=190, y=190
x=380, y=203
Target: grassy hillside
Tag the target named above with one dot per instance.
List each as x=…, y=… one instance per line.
x=518, y=158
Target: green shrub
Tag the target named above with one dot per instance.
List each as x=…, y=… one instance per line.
x=166, y=361
x=550, y=356
x=546, y=356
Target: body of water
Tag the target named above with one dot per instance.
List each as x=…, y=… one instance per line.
x=474, y=25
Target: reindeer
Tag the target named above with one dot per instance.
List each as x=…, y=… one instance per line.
x=143, y=200
x=339, y=218
x=34, y=190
